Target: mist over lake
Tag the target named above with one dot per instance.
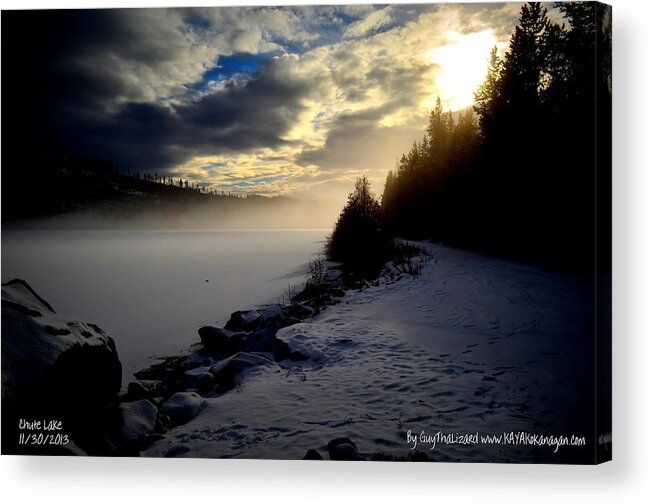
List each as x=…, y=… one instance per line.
x=148, y=289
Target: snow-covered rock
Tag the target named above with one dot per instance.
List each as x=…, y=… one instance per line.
x=275, y=312
x=34, y=338
x=136, y=420
x=224, y=343
x=300, y=344
x=244, y=320
x=213, y=338
x=262, y=339
x=233, y=370
x=143, y=389
x=53, y=365
x=200, y=378
x=216, y=340
x=333, y=275
x=183, y=407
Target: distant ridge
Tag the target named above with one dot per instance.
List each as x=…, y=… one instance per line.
x=57, y=185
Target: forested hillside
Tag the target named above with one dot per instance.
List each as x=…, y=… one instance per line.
x=57, y=183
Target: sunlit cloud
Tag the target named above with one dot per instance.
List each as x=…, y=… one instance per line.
x=372, y=93
x=374, y=21
x=292, y=100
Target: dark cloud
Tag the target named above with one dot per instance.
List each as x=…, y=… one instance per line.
x=243, y=115
x=89, y=80
x=70, y=71
x=269, y=100
x=84, y=57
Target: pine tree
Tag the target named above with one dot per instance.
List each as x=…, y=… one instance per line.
x=358, y=240
x=489, y=93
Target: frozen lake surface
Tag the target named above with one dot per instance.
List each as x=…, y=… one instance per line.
x=152, y=290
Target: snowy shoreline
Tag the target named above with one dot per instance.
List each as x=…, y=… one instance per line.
x=468, y=358
x=471, y=345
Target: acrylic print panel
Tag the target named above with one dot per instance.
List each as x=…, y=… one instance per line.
x=343, y=232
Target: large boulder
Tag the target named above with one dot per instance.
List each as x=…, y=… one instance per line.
x=216, y=340
x=199, y=378
x=262, y=339
x=212, y=338
x=53, y=367
x=225, y=343
x=300, y=345
x=230, y=372
x=244, y=321
x=136, y=420
x=183, y=407
x=276, y=313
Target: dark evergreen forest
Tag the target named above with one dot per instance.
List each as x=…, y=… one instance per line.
x=517, y=175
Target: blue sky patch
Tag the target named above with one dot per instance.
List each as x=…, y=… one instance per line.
x=227, y=66
x=237, y=63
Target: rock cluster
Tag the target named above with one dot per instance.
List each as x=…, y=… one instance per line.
x=255, y=331
x=60, y=367
x=61, y=371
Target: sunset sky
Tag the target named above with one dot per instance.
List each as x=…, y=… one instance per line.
x=296, y=100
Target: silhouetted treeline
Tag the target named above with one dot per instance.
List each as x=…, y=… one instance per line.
x=518, y=177
x=180, y=183
x=54, y=182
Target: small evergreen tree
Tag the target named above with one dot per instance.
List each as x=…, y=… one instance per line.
x=358, y=240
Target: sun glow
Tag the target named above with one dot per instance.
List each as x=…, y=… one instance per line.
x=463, y=63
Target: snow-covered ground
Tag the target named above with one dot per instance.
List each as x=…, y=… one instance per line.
x=472, y=345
